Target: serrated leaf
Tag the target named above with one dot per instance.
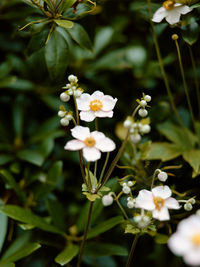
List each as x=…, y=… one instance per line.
x=80, y=36
x=193, y=158
x=104, y=226
x=26, y=216
x=66, y=24
x=104, y=249
x=67, y=254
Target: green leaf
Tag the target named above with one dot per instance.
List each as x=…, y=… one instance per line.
x=104, y=226
x=80, y=36
x=193, y=158
x=10, y=264
x=8, y=178
x=91, y=197
x=104, y=249
x=67, y=254
x=5, y=159
x=164, y=151
x=190, y=32
x=18, y=115
x=102, y=39
x=92, y=178
x=131, y=229
x=3, y=227
x=67, y=4
x=46, y=147
x=31, y=156
x=26, y=216
x=161, y=239
x=66, y=24
x=56, y=55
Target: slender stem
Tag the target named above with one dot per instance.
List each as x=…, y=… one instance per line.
x=153, y=179
x=95, y=169
x=184, y=81
x=96, y=124
x=196, y=80
x=104, y=167
x=85, y=235
x=76, y=109
x=122, y=209
x=162, y=66
x=128, y=264
x=89, y=180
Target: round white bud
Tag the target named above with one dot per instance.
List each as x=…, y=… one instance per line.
x=64, y=122
x=135, y=138
x=68, y=85
x=192, y=201
x=61, y=113
x=188, y=206
x=126, y=189
x=146, y=219
x=130, y=204
x=129, y=198
x=72, y=79
x=64, y=97
x=69, y=117
x=147, y=98
x=70, y=92
x=77, y=93
x=130, y=183
x=145, y=129
x=143, y=103
x=137, y=218
x=127, y=123
x=124, y=184
x=162, y=176
x=107, y=200
x=143, y=112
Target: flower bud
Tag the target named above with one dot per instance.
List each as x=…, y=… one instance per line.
x=69, y=117
x=188, y=206
x=135, y=138
x=126, y=189
x=107, y=200
x=147, y=98
x=64, y=121
x=127, y=123
x=61, y=113
x=192, y=201
x=130, y=204
x=77, y=93
x=130, y=183
x=64, y=97
x=143, y=103
x=145, y=129
x=162, y=176
x=143, y=112
x=72, y=79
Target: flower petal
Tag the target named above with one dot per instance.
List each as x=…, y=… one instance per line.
x=172, y=203
x=192, y=257
x=83, y=102
x=87, y=115
x=91, y=153
x=173, y=16
x=97, y=135
x=80, y=132
x=189, y=226
x=161, y=215
x=145, y=200
x=108, y=102
x=179, y=244
x=103, y=114
x=162, y=191
x=74, y=145
x=97, y=95
x=105, y=144
x=183, y=9
x=159, y=15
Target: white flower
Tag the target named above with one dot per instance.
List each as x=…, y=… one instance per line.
x=186, y=240
x=171, y=12
x=92, y=143
x=107, y=200
x=162, y=176
x=95, y=105
x=158, y=200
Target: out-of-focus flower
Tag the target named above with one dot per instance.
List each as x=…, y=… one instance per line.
x=158, y=201
x=92, y=143
x=95, y=105
x=186, y=240
x=171, y=11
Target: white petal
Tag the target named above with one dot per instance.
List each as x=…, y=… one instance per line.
x=189, y=226
x=178, y=244
x=108, y=103
x=192, y=257
x=80, y=132
x=162, y=215
x=159, y=15
x=172, y=203
x=173, y=16
x=83, y=102
x=87, y=116
x=74, y=145
x=184, y=9
x=103, y=114
x=105, y=144
x=97, y=95
x=145, y=200
x=97, y=135
x=162, y=191
x=91, y=153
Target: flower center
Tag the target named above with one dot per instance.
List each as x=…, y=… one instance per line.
x=89, y=141
x=168, y=5
x=159, y=202
x=196, y=239
x=95, y=105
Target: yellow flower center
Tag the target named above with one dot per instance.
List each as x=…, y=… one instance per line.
x=159, y=202
x=95, y=105
x=196, y=239
x=89, y=141
x=168, y=5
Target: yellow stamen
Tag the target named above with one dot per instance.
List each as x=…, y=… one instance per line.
x=159, y=202
x=89, y=141
x=96, y=105
x=168, y=5
x=196, y=239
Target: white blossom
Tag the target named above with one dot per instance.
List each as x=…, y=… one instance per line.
x=92, y=143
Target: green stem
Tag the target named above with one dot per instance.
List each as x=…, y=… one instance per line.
x=153, y=179
x=96, y=124
x=85, y=235
x=162, y=66
x=122, y=209
x=104, y=167
x=184, y=82
x=128, y=264
x=76, y=109
x=196, y=80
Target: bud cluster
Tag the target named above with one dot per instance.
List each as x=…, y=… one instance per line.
x=143, y=104
x=142, y=220
x=188, y=205
x=126, y=187
x=130, y=202
x=66, y=116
